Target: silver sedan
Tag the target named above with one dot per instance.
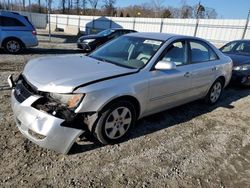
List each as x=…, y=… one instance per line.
x=54, y=99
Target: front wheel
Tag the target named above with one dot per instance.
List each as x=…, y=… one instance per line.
x=214, y=93
x=115, y=122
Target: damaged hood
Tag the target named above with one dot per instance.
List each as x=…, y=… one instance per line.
x=62, y=74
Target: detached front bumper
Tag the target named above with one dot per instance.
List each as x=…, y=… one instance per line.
x=42, y=128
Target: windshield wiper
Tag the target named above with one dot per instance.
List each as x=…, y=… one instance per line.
x=98, y=58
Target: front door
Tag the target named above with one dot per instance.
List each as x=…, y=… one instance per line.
x=168, y=88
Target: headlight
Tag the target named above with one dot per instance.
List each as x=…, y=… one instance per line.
x=70, y=100
x=88, y=40
x=241, y=68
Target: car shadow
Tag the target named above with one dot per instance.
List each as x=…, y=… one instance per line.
x=65, y=38
x=168, y=118
x=51, y=51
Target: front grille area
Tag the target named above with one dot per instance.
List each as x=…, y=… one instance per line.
x=23, y=90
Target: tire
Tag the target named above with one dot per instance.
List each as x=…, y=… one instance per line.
x=13, y=46
x=115, y=122
x=214, y=93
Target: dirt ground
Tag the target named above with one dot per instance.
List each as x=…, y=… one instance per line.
x=190, y=146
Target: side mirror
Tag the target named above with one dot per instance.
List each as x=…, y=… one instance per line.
x=165, y=65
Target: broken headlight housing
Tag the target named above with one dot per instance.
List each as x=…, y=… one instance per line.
x=69, y=100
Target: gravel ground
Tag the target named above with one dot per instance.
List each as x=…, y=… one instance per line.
x=190, y=146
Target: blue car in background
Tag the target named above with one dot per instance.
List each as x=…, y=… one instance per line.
x=16, y=32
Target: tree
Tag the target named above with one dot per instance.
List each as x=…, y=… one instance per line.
x=186, y=11
x=24, y=5
x=77, y=2
x=63, y=2
x=121, y=14
x=109, y=7
x=70, y=5
x=127, y=15
x=167, y=13
x=93, y=4
x=84, y=4
x=210, y=13
x=157, y=6
x=39, y=6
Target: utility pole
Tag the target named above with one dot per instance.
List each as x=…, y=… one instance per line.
x=49, y=9
x=247, y=22
x=200, y=9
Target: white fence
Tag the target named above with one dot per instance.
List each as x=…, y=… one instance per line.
x=39, y=20
x=218, y=31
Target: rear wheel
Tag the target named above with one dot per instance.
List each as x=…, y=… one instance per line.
x=115, y=122
x=215, y=92
x=13, y=46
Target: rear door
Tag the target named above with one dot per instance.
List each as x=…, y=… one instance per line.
x=203, y=62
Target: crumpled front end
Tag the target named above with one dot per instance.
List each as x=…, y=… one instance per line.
x=39, y=123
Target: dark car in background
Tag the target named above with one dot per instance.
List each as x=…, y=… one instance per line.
x=90, y=42
x=239, y=52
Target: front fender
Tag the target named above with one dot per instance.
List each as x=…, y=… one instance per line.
x=100, y=94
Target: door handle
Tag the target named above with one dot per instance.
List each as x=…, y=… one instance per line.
x=214, y=68
x=187, y=74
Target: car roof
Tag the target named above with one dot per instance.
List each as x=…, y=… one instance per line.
x=243, y=40
x=163, y=36
x=154, y=36
x=9, y=13
x=122, y=29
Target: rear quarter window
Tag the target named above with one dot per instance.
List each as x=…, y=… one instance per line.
x=201, y=52
x=11, y=22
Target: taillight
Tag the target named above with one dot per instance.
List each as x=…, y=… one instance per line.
x=34, y=32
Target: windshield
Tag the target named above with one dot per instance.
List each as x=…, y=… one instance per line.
x=127, y=51
x=105, y=32
x=237, y=47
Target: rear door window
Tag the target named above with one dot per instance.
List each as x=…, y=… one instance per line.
x=11, y=22
x=201, y=52
x=27, y=19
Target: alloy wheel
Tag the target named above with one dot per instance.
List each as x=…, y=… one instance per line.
x=216, y=92
x=118, y=123
x=13, y=46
